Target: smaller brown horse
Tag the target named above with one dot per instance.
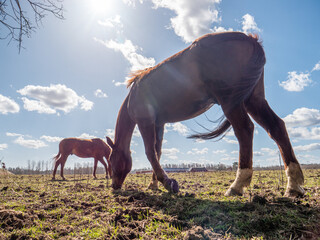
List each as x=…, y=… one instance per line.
x=84, y=148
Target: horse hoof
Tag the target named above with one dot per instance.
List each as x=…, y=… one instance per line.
x=294, y=192
x=153, y=186
x=116, y=187
x=232, y=192
x=172, y=186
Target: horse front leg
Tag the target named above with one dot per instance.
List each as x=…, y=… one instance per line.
x=148, y=132
x=243, y=129
x=95, y=164
x=159, y=137
x=105, y=167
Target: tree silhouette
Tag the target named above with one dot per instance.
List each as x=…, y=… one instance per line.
x=15, y=21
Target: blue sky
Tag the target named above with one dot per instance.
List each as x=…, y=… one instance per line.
x=68, y=81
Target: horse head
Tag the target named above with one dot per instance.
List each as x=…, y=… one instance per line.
x=121, y=163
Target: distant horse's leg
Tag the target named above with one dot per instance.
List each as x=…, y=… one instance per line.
x=109, y=167
x=63, y=160
x=105, y=166
x=148, y=132
x=243, y=129
x=159, y=137
x=259, y=109
x=95, y=164
x=57, y=163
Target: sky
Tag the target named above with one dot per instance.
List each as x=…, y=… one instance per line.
x=69, y=79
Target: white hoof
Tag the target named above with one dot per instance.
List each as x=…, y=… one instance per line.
x=295, y=180
x=242, y=180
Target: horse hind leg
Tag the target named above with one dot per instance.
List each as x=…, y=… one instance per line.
x=63, y=160
x=57, y=159
x=261, y=112
x=243, y=129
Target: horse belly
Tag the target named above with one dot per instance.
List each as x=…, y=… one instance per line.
x=185, y=111
x=83, y=152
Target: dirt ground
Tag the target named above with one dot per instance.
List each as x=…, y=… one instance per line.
x=33, y=207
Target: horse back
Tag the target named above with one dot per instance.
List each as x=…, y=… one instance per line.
x=84, y=147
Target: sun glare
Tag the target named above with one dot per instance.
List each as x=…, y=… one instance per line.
x=100, y=7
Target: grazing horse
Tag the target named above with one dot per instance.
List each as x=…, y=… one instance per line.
x=219, y=68
x=84, y=148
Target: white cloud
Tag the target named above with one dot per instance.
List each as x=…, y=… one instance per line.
x=229, y=159
x=221, y=29
x=9, y=134
x=296, y=82
x=199, y=140
x=118, y=84
x=193, y=18
x=230, y=133
x=50, y=99
x=110, y=133
x=129, y=51
x=114, y=22
x=196, y=151
x=248, y=24
x=35, y=105
x=29, y=143
x=100, y=94
x=270, y=152
x=258, y=154
x=170, y=152
x=132, y=3
x=303, y=117
x=86, y=136
x=51, y=139
x=231, y=141
x=219, y=151
x=177, y=127
x=305, y=133
x=8, y=105
x=3, y=146
x=310, y=147
x=136, y=132
x=316, y=67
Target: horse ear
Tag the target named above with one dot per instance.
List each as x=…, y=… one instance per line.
x=109, y=141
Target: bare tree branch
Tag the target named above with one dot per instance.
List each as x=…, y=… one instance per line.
x=15, y=23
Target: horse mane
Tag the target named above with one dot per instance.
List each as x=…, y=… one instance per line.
x=137, y=75
x=256, y=37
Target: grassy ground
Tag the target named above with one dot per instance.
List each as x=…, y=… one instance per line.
x=33, y=207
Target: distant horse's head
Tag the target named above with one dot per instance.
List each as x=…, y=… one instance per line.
x=121, y=163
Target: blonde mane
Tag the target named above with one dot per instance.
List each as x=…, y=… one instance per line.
x=137, y=75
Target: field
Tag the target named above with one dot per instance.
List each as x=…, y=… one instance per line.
x=33, y=207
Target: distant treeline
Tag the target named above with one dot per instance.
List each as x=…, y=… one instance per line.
x=45, y=167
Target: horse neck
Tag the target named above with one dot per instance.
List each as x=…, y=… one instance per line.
x=124, y=128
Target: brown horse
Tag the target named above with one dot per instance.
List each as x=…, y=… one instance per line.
x=84, y=148
x=225, y=69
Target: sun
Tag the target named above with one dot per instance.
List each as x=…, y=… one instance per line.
x=101, y=7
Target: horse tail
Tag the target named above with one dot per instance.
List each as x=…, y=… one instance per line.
x=223, y=127
x=56, y=158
